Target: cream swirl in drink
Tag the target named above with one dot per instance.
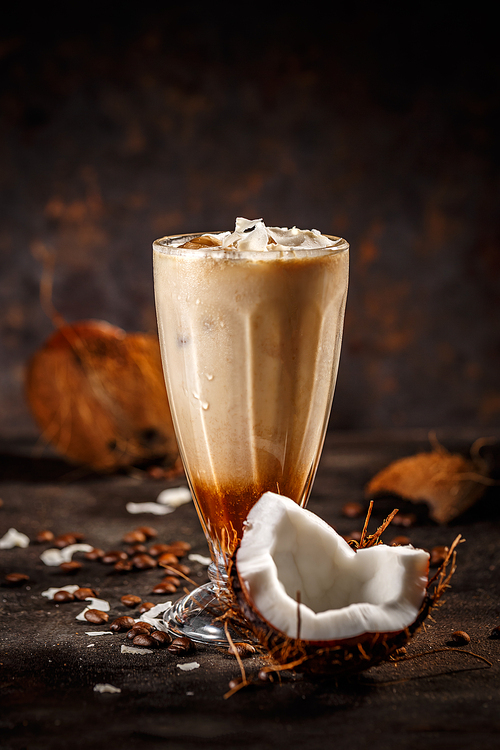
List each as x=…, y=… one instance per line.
x=250, y=326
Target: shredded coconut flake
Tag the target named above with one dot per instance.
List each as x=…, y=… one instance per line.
x=14, y=538
x=154, y=508
x=101, y=604
x=53, y=557
x=189, y=666
x=174, y=497
x=135, y=650
x=49, y=594
x=105, y=687
x=200, y=559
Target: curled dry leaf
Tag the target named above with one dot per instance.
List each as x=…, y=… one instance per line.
x=98, y=395
x=448, y=482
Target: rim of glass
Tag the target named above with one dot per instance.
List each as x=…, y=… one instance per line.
x=168, y=246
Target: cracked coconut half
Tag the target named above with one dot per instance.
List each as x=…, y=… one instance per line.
x=319, y=605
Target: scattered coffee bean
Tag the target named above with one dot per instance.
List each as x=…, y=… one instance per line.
x=159, y=549
x=244, y=650
x=495, y=633
x=156, y=472
x=400, y=541
x=404, y=519
x=164, y=588
x=96, y=616
x=148, y=531
x=122, y=623
x=136, y=631
x=123, y=566
x=44, y=536
x=352, y=510
x=16, y=579
x=179, y=549
x=112, y=557
x=94, y=554
x=438, y=555
x=129, y=600
x=84, y=593
x=134, y=537
x=182, y=545
x=181, y=645
x=163, y=639
x=179, y=567
x=167, y=558
x=145, y=641
x=144, y=562
x=145, y=607
x=64, y=540
x=171, y=579
x=134, y=549
x=72, y=566
x=64, y=596
x=460, y=637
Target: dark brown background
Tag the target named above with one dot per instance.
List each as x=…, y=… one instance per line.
x=123, y=124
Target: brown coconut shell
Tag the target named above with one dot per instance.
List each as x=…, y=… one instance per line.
x=98, y=396
x=448, y=482
x=342, y=656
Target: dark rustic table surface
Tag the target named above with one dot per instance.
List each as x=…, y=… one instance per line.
x=49, y=664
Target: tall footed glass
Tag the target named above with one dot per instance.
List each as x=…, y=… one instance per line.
x=250, y=344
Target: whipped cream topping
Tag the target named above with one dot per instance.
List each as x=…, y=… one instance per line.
x=253, y=235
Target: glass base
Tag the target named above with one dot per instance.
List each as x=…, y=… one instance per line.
x=203, y=614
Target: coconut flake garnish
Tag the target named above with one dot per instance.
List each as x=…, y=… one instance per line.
x=101, y=604
x=105, y=687
x=151, y=616
x=174, y=497
x=13, y=538
x=200, y=559
x=54, y=557
x=154, y=508
x=70, y=588
x=189, y=666
x=135, y=650
x=98, y=632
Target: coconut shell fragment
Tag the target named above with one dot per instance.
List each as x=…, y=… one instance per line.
x=448, y=482
x=97, y=394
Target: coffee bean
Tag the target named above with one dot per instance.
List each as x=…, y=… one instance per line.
x=133, y=537
x=95, y=554
x=136, y=631
x=399, y=541
x=159, y=549
x=64, y=540
x=123, y=566
x=179, y=567
x=167, y=558
x=181, y=645
x=145, y=641
x=144, y=562
x=145, y=607
x=404, y=519
x=72, y=566
x=438, y=555
x=64, y=596
x=112, y=557
x=16, y=579
x=164, y=588
x=96, y=616
x=460, y=637
x=182, y=545
x=148, y=531
x=122, y=623
x=164, y=639
x=171, y=579
x=134, y=549
x=44, y=536
x=129, y=600
x=84, y=593
x=244, y=650
x=352, y=510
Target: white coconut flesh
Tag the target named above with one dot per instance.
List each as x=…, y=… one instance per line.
x=288, y=553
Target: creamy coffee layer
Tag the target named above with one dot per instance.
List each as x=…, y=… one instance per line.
x=250, y=341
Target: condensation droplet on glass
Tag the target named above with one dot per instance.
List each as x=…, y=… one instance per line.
x=222, y=324
x=195, y=395
x=197, y=301
x=209, y=376
x=205, y=405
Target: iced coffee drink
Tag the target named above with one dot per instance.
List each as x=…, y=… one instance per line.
x=250, y=324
